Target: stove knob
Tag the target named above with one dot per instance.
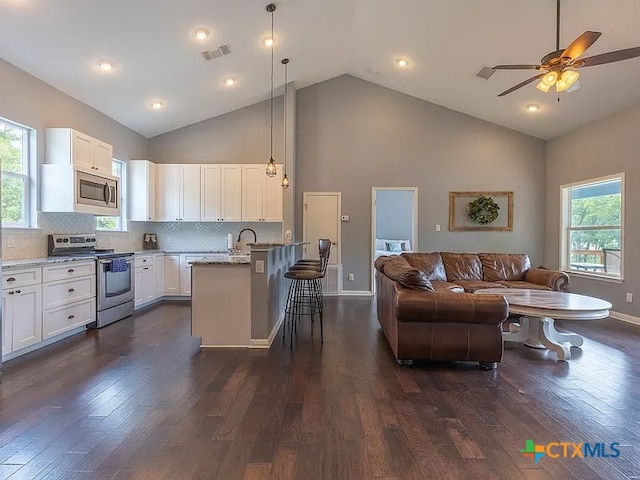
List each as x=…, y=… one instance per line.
x=65, y=240
x=87, y=240
x=58, y=240
x=93, y=239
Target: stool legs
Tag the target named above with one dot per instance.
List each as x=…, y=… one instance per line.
x=304, y=298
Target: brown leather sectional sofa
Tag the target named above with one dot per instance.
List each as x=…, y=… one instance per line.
x=428, y=311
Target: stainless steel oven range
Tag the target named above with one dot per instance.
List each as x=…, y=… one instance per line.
x=114, y=275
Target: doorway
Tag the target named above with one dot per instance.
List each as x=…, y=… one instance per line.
x=321, y=219
x=394, y=222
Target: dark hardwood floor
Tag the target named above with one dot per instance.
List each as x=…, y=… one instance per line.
x=139, y=400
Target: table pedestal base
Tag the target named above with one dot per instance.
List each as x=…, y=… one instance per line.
x=540, y=332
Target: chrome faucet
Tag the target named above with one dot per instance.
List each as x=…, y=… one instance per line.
x=255, y=237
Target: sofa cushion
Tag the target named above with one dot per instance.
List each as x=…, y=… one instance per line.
x=399, y=270
x=504, y=266
x=471, y=286
x=462, y=266
x=440, y=286
x=523, y=284
x=428, y=263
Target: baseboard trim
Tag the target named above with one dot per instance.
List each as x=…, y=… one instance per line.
x=266, y=342
x=356, y=293
x=623, y=317
x=44, y=343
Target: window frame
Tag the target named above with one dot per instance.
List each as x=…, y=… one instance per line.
x=27, y=177
x=122, y=218
x=566, y=229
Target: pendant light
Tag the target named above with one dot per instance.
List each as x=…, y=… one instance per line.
x=285, y=179
x=271, y=166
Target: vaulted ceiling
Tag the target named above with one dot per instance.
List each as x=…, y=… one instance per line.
x=445, y=42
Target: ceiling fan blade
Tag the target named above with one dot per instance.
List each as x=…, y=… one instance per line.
x=608, y=57
x=517, y=67
x=580, y=45
x=520, y=85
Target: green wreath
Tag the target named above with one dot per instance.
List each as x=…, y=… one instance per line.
x=483, y=210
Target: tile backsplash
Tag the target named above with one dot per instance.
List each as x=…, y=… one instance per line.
x=24, y=244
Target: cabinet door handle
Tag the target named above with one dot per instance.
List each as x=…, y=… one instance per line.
x=71, y=270
x=18, y=291
x=144, y=260
x=70, y=317
x=71, y=290
x=146, y=268
x=11, y=293
x=11, y=279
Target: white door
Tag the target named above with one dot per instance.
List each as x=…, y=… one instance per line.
x=252, y=187
x=139, y=287
x=172, y=274
x=151, y=190
x=185, y=279
x=321, y=219
x=102, y=157
x=210, y=186
x=148, y=284
x=158, y=264
x=27, y=316
x=190, y=193
x=168, y=193
x=272, y=197
x=231, y=198
x=82, y=150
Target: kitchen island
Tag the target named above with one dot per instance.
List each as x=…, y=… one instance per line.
x=240, y=302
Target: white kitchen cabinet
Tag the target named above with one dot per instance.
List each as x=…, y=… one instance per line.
x=185, y=274
x=65, y=146
x=172, y=274
x=178, y=193
x=221, y=193
x=158, y=265
x=21, y=317
x=56, y=321
x=145, y=280
x=142, y=190
x=261, y=194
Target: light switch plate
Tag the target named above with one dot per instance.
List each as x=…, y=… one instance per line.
x=259, y=266
x=437, y=227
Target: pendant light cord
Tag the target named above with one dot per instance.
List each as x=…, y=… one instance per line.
x=286, y=81
x=272, y=46
x=558, y=25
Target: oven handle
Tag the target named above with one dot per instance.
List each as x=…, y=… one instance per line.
x=105, y=262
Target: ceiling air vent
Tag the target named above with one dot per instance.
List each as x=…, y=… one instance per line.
x=485, y=72
x=218, y=52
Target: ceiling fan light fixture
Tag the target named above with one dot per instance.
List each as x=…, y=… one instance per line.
x=550, y=78
x=574, y=87
x=543, y=87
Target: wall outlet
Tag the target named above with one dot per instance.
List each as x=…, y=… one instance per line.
x=352, y=277
x=344, y=218
x=437, y=227
x=629, y=297
x=259, y=266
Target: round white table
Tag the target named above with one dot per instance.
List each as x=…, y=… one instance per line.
x=540, y=309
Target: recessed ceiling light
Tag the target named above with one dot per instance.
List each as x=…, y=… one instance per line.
x=402, y=62
x=269, y=41
x=532, y=107
x=201, y=34
x=105, y=65
x=230, y=81
x=156, y=104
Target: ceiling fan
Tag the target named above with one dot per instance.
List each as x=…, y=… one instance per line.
x=558, y=67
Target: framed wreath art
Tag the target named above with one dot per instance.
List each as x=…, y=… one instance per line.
x=481, y=211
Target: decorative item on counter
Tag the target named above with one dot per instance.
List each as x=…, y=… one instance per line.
x=150, y=241
x=231, y=242
x=288, y=237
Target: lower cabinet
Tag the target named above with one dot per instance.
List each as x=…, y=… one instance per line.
x=56, y=321
x=21, y=317
x=171, y=275
x=145, y=285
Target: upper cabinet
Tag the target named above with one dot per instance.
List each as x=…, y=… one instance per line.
x=142, y=190
x=65, y=146
x=221, y=192
x=178, y=192
x=261, y=194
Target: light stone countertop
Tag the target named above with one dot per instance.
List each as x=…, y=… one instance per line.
x=39, y=262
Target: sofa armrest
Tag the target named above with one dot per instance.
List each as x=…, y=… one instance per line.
x=423, y=306
x=554, y=279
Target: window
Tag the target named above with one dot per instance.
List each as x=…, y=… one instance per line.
x=593, y=227
x=16, y=182
x=116, y=224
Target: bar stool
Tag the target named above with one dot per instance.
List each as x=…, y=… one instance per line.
x=305, y=292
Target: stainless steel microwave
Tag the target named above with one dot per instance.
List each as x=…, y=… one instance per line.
x=97, y=191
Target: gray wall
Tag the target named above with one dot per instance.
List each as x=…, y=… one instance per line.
x=36, y=104
x=241, y=136
x=605, y=147
x=394, y=214
x=352, y=135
